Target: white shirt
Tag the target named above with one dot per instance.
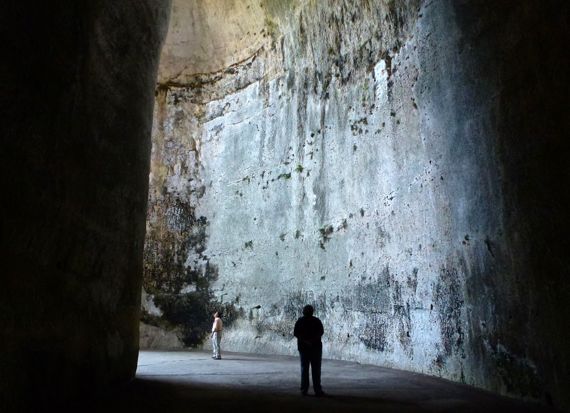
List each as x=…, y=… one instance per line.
x=217, y=326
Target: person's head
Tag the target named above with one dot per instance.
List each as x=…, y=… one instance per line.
x=216, y=314
x=308, y=310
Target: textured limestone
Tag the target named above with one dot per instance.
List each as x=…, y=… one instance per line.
x=364, y=158
x=210, y=35
x=152, y=337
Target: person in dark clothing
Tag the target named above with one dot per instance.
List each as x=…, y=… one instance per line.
x=308, y=330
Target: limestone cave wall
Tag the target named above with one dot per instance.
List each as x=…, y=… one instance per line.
x=397, y=164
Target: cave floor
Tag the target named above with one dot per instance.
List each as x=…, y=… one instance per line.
x=192, y=381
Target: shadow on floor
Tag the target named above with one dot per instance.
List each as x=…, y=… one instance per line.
x=149, y=395
x=145, y=395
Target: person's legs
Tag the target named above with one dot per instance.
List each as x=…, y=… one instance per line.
x=305, y=359
x=219, y=346
x=316, y=371
x=216, y=340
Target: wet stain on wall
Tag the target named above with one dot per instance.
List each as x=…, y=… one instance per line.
x=179, y=286
x=449, y=304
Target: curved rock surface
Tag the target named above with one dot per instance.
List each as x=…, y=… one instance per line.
x=378, y=159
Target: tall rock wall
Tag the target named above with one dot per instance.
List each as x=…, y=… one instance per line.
x=77, y=80
x=379, y=160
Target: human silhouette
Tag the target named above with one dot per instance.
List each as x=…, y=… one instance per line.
x=309, y=330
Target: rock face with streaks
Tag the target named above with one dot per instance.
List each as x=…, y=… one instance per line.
x=397, y=164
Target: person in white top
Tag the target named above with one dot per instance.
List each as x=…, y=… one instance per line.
x=216, y=336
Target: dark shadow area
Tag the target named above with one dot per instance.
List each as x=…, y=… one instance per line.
x=154, y=395
x=76, y=99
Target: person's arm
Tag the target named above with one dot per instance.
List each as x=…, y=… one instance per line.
x=296, y=329
x=321, y=329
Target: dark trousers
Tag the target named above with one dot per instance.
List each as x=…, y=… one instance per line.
x=312, y=358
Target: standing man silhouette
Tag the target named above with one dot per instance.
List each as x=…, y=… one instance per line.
x=309, y=330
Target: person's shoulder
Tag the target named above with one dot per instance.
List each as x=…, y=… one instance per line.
x=302, y=321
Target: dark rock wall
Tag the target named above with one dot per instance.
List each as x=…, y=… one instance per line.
x=508, y=93
x=76, y=99
x=533, y=127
